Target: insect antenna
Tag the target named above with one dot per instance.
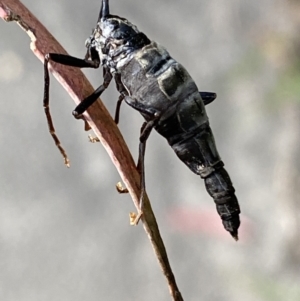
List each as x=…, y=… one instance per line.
x=104, y=11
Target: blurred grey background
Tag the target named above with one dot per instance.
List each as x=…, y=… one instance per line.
x=65, y=234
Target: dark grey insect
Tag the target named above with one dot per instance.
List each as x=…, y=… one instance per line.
x=160, y=88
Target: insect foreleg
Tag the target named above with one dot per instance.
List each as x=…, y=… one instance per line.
x=88, y=101
x=72, y=61
x=69, y=61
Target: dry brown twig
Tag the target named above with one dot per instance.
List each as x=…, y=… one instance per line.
x=76, y=84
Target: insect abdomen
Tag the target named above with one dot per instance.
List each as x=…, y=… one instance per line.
x=189, y=134
x=219, y=186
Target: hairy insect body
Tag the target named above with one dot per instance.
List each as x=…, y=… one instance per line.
x=160, y=88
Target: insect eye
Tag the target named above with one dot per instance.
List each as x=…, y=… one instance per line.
x=114, y=24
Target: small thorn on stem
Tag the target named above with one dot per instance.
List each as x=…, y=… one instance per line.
x=86, y=125
x=93, y=139
x=120, y=188
x=135, y=218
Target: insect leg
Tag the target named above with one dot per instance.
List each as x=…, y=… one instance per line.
x=152, y=117
x=88, y=101
x=145, y=133
x=118, y=107
x=139, y=164
x=72, y=61
x=123, y=92
x=69, y=61
x=208, y=97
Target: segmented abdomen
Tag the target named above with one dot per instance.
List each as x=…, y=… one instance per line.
x=195, y=146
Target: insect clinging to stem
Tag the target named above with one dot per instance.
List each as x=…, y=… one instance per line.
x=160, y=88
